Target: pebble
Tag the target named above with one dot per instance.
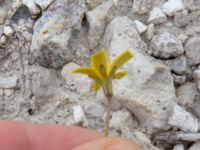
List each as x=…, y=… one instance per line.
x=179, y=147
x=8, y=31
x=150, y=31
x=78, y=114
x=8, y=82
x=141, y=27
x=157, y=16
x=172, y=6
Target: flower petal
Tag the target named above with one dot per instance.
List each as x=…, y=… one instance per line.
x=99, y=62
x=119, y=75
x=88, y=71
x=96, y=86
x=119, y=61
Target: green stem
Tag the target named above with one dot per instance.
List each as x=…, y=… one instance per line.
x=107, y=121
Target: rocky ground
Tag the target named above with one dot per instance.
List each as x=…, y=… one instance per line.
x=41, y=41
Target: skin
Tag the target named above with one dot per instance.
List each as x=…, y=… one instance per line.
x=26, y=136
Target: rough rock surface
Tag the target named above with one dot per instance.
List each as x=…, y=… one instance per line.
x=42, y=41
x=144, y=73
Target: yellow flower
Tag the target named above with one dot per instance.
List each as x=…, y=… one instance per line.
x=103, y=72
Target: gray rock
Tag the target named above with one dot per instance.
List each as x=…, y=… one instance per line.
x=141, y=6
x=183, y=120
x=179, y=79
x=166, y=45
x=150, y=31
x=195, y=105
x=141, y=27
x=186, y=94
x=177, y=65
x=172, y=6
x=91, y=4
x=195, y=146
x=34, y=9
x=55, y=33
x=8, y=31
x=139, y=90
x=98, y=18
x=44, y=3
x=181, y=19
x=3, y=14
x=95, y=110
x=8, y=82
x=157, y=16
x=196, y=75
x=192, y=49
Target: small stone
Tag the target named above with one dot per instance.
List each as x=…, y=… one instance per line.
x=183, y=38
x=8, y=31
x=179, y=79
x=195, y=146
x=44, y=3
x=97, y=19
x=1, y=92
x=8, y=92
x=78, y=114
x=177, y=65
x=179, y=147
x=141, y=6
x=192, y=49
x=166, y=45
x=181, y=18
x=172, y=6
x=91, y=4
x=141, y=27
x=183, y=120
x=150, y=31
x=3, y=15
x=8, y=82
x=120, y=119
x=3, y=40
x=34, y=9
x=156, y=16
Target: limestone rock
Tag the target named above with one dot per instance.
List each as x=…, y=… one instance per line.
x=77, y=82
x=192, y=49
x=95, y=110
x=179, y=79
x=8, y=31
x=43, y=3
x=179, y=147
x=78, y=114
x=177, y=65
x=181, y=19
x=8, y=82
x=157, y=16
x=166, y=45
x=138, y=90
x=91, y=4
x=98, y=18
x=172, y=6
x=196, y=75
x=183, y=120
x=58, y=28
x=141, y=27
x=150, y=31
x=141, y=6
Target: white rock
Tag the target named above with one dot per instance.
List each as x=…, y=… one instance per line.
x=195, y=146
x=181, y=19
x=156, y=16
x=172, y=6
x=8, y=82
x=34, y=9
x=43, y=3
x=141, y=6
x=121, y=119
x=8, y=92
x=3, y=40
x=78, y=114
x=139, y=89
x=150, y=31
x=8, y=31
x=77, y=82
x=183, y=120
x=179, y=147
x=97, y=19
x=166, y=45
x=141, y=27
x=179, y=79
